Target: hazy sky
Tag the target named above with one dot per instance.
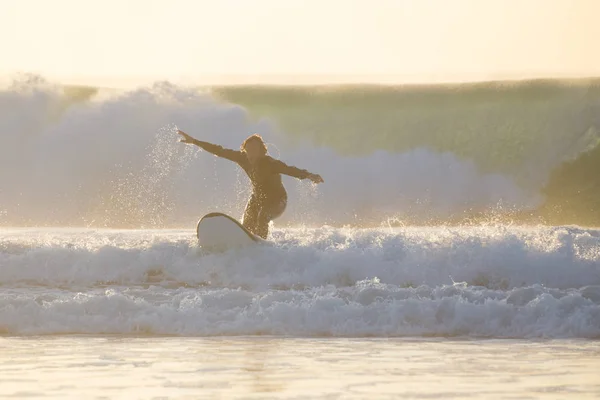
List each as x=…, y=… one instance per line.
x=130, y=41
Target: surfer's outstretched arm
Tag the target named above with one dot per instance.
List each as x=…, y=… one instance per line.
x=285, y=169
x=215, y=149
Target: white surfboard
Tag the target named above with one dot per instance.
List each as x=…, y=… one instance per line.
x=220, y=232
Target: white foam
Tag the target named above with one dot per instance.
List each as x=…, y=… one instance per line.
x=367, y=309
x=493, y=282
x=495, y=257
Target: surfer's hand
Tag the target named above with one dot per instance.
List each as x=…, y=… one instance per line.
x=185, y=137
x=316, y=178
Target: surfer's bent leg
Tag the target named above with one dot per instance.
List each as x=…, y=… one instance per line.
x=267, y=213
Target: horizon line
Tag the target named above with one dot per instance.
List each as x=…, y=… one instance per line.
x=225, y=80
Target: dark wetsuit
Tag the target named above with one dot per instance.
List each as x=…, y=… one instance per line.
x=269, y=198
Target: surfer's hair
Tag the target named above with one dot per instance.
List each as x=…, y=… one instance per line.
x=255, y=138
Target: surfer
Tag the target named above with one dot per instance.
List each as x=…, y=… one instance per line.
x=269, y=198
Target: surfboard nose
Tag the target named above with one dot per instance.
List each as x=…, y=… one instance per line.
x=220, y=232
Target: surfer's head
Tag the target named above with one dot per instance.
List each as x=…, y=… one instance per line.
x=254, y=147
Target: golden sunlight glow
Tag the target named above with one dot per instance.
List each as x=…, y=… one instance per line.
x=104, y=41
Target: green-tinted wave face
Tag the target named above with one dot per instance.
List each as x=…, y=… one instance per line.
x=75, y=156
x=522, y=129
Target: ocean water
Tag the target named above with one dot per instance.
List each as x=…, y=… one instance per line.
x=104, y=291
x=113, y=367
x=419, y=312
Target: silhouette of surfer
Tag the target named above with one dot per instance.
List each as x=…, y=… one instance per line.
x=269, y=198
